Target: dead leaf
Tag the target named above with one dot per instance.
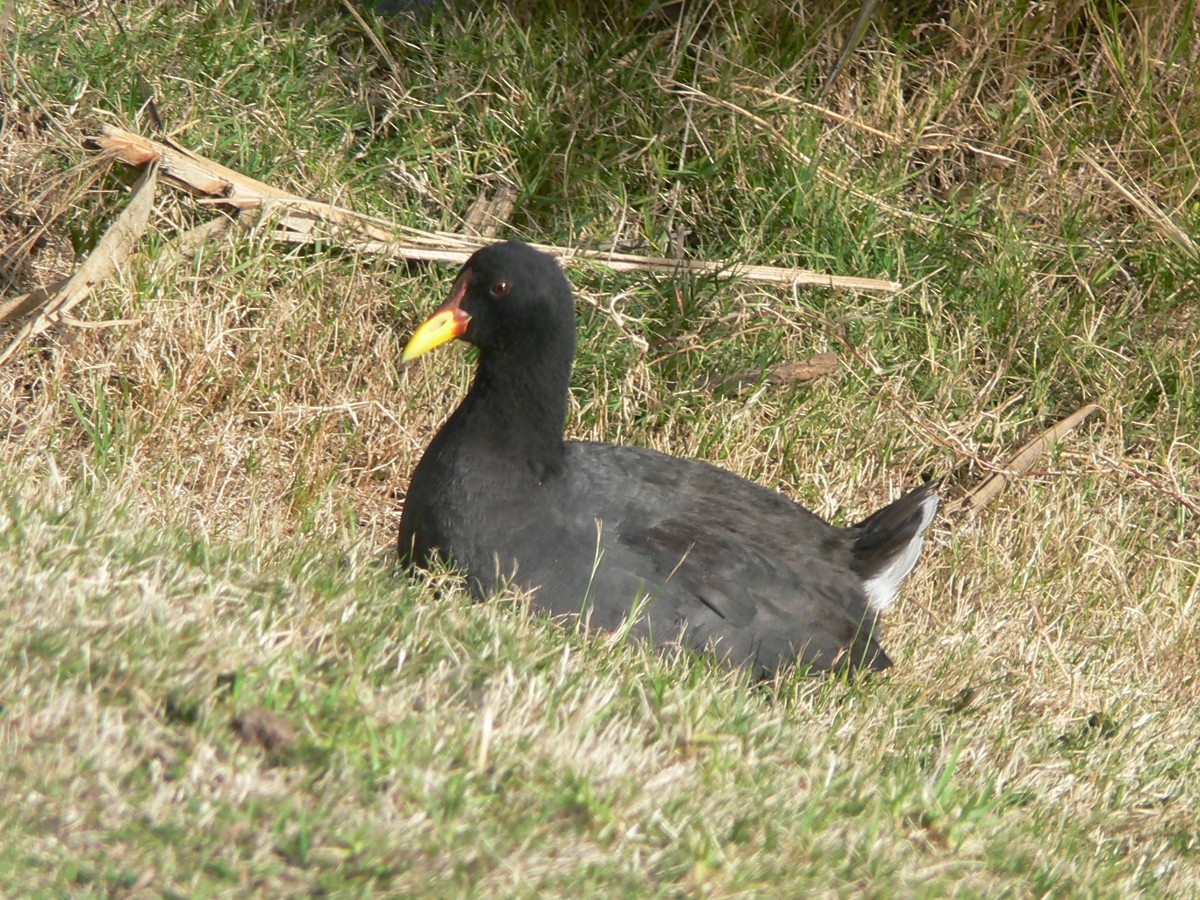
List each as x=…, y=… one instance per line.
x=268, y=730
x=816, y=366
x=488, y=214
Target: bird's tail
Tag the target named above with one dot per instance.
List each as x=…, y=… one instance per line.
x=888, y=542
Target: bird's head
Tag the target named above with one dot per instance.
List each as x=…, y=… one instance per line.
x=509, y=299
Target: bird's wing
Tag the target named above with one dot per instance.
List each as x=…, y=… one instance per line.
x=731, y=565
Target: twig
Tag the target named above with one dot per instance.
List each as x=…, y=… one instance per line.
x=303, y=221
x=1121, y=468
x=1020, y=463
x=380, y=46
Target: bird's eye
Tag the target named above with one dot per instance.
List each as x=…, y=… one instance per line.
x=501, y=288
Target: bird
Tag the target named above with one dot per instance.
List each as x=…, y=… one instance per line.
x=678, y=551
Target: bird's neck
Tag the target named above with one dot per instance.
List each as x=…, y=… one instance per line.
x=521, y=408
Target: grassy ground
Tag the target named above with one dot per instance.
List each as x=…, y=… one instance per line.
x=212, y=680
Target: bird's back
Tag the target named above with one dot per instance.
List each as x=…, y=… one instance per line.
x=718, y=562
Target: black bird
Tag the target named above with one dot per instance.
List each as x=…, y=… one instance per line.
x=705, y=557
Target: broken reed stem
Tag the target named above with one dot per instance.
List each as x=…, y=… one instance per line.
x=304, y=221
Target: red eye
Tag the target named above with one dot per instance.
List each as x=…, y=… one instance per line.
x=501, y=288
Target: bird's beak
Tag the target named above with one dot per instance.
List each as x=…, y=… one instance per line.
x=447, y=323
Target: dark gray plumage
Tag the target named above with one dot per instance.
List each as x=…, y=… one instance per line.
x=722, y=564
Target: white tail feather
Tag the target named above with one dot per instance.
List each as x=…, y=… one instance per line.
x=884, y=586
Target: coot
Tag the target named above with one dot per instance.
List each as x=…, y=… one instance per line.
x=694, y=553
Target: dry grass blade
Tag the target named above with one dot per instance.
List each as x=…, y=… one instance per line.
x=110, y=251
x=931, y=139
x=1021, y=462
x=866, y=13
x=782, y=140
x=1148, y=209
x=379, y=45
x=304, y=221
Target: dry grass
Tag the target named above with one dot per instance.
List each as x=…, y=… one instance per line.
x=197, y=509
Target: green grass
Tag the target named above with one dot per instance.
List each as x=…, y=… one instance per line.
x=606, y=767
x=198, y=506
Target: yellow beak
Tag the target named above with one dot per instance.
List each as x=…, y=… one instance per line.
x=446, y=324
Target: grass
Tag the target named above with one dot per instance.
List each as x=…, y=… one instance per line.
x=198, y=502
